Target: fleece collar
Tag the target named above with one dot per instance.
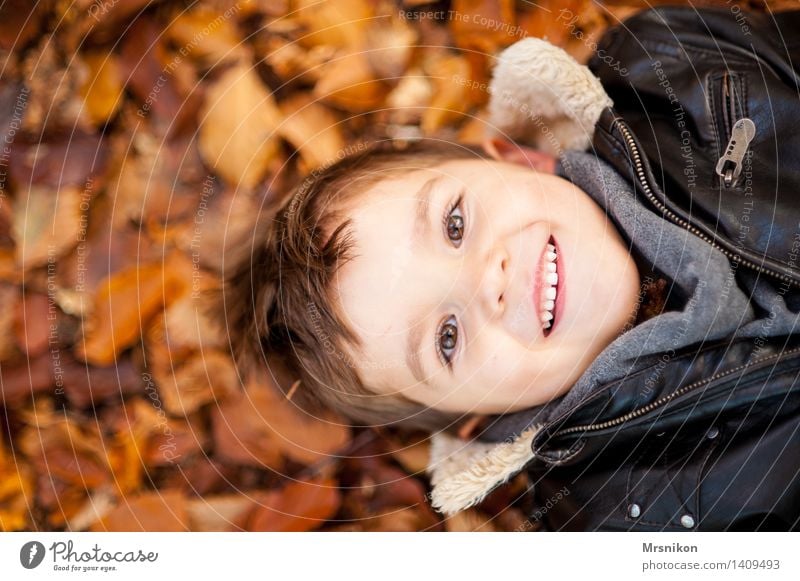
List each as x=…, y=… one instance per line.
x=463, y=473
x=543, y=97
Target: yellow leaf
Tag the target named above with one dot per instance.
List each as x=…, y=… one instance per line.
x=103, y=89
x=312, y=129
x=237, y=135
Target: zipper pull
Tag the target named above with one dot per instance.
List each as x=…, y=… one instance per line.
x=729, y=165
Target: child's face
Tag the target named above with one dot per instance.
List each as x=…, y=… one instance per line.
x=474, y=289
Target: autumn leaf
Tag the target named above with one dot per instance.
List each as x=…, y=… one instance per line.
x=46, y=224
x=302, y=505
x=103, y=89
x=238, y=127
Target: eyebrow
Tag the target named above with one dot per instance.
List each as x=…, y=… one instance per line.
x=421, y=230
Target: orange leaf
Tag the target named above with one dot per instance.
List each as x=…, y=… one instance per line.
x=46, y=224
x=103, y=89
x=150, y=512
x=300, y=506
x=312, y=129
x=237, y=132
x=127, y=300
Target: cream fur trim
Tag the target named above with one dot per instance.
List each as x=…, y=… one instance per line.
x=463, y=473
x=544, y=97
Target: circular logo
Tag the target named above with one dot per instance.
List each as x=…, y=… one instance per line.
x=31, y=554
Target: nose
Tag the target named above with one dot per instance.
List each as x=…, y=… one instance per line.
x=492, y=281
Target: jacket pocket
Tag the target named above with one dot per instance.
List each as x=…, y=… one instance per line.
x=726, y=94
x=663, y=482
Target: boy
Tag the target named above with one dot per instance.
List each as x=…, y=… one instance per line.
x=600, y=337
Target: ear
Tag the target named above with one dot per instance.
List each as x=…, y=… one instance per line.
x=501, y=149
x=471, y=426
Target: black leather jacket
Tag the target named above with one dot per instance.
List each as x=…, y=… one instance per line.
x=714, y=444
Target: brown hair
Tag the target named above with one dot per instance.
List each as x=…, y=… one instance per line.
x=277, y=299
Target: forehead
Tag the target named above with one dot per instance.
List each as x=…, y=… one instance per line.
x=379, y=287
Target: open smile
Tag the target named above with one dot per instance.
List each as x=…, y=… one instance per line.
x=548, y=287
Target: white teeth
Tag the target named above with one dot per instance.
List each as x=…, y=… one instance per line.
x=550, y=277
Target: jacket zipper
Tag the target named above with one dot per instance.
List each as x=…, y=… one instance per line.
x=666, y=399
x=739, y=132
x=637, y=160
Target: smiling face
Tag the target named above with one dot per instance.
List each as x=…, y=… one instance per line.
x=459, y=271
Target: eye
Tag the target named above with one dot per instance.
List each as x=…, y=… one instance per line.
x=447, y=339
x=453, y=222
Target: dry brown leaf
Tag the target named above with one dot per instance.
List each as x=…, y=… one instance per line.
x=450, y=76
x=412, y=455
x=227, y=226
x=9, y=295
x=409, y=99
x=207, y=34
x=114, y=324
x=470, y=520
x=402, y=519
x=206, y=377
x=159, y=182
x=219, y=513
x=484, y=25
x=341, y=23
x=312, y=129
x=103, y=89
x=238, y=123
x=16, y=491
x=389, y=46
x=64, y=452
x=259, y=426
x=291, y=61
x=32, y=323
x=151, y=512
x=348, y=82
x=302, y=505
x=46, y=224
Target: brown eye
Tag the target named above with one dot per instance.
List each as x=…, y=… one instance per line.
x=453, y=222
x=448, y=338
x=455, y=227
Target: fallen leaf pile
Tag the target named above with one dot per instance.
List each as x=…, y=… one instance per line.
x=139, y=142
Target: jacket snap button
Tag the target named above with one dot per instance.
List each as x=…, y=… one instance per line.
x=687, y=521
x=634, y=510
x=712, y=433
